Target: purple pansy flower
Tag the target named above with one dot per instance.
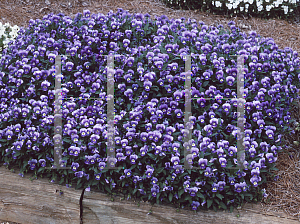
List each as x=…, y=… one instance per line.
x=193, y=191
x=195, y=205
x=270, y=157
x=202, y=163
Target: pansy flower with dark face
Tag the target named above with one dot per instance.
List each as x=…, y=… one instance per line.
x=202, y=163
x=238, y=187
x=32, y=163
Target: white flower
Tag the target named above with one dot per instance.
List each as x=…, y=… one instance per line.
x=268, y=7
x=267, y=0
x=293, y=1
x=246, y=10
x=235, y=5
x=251, y=1
x=218, y=4
x=291, y=10
x=246, y=6
x=285, y=9
x=242, y=9
x=229, y=6
x=260, y=8
x=258, y=4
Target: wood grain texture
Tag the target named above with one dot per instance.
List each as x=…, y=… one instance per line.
x=34, y=202
x=128, y=212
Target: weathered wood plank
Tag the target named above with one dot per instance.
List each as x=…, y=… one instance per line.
x=37, y=201
x=25, y=201
x=128, y=212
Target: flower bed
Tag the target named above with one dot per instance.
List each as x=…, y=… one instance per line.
x=149, y=106
x=259, y=8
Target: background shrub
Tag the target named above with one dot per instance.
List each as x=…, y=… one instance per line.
x=256, y=8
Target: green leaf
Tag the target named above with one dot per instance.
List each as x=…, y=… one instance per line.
x=170, y=197
x=160, y=170
x=213, y=134
x=95, y=182
x=215, y=208
x=180, y=193
x=128, y=107
x=17, y=153
x=223, y=205
x=209, y=202
x=157, y=198
x=152, y=156
x=155, y=88
x=205, y=83
x=41, y=169
x=231, y=208
x=78, y=186
x=220, y=196
x=61, y=181
x=219, y=121
x=249, y=195
x=200, y=195
x=135, y=190
x=164, y=51
x=67, y=140
x=107, y=188
x=201, y=154
x=216, y=200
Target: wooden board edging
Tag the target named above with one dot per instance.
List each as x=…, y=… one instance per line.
x=34, y=202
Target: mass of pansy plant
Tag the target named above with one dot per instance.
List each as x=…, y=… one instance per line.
x=149, y=71
x=7, y=34
x=258, y=8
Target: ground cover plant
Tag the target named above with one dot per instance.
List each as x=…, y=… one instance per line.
x=149, y=107
x=258, y=8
